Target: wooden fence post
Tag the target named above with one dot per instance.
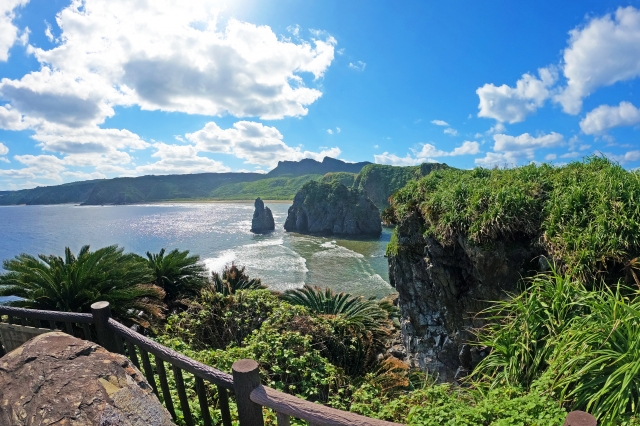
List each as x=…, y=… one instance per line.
x=101, y=314
x=245, y=379
x=580, y=418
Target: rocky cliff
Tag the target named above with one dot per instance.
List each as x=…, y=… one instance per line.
x=262, y=221
x=441, y=288
x=333, y=209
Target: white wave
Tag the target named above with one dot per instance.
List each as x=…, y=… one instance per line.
x=339, y=251
x=217, y=264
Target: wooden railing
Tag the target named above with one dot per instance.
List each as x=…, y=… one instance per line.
x=244, y=384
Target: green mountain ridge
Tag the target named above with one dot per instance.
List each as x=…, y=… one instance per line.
x=282, y=183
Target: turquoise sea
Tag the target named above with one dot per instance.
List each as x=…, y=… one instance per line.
x=218, y=232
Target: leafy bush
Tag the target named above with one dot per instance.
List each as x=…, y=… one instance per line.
x=358, y=328
x=214, y=320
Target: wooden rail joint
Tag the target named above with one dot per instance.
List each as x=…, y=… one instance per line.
x=246, y=378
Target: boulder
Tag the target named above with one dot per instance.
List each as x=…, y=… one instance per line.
x=262, y=221
x=441, y=290
x=56, y=379
x=333, y=209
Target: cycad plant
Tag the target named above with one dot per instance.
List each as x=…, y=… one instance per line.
x=177, y=273
x=360, y=326
x=73, y=283
x=233, y=279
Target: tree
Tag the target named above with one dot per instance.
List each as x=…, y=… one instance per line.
x=177, y=273
x=73, y=283
x=233, y=279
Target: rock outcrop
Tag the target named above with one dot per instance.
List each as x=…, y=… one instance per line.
x=442, y=288
x=56, y=379
x=262, y=221
x=333, y=209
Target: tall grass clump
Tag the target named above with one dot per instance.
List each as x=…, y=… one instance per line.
x=579, y=343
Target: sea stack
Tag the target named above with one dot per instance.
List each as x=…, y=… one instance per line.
x=333, y=209
x=262, y=221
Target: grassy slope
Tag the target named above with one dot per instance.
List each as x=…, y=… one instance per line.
x=277, y=188
x=585, y=214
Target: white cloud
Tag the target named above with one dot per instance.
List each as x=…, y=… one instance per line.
x=550, y=157
x=47, y=31
x=119, y=52
x=8, y=31
x=330, y=131
x=358, y=65
x=180, y=159
x=572, y=154
x=509, y=150
x=427, y=154
x=514, y=104
x=439, y=122
x=451, y=131
x=497, y=128
x=253, y=142
x=3, y=149
x=606, y=117
x=627, y=157
x=526, y=142
x=603, y=52
x=338, y=130
x=83, y=175
x=46, y=167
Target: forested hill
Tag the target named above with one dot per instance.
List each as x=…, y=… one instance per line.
x=281, y=183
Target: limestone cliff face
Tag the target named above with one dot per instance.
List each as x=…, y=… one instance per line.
x=262, y=221
x=442, y=288
x=333, y=209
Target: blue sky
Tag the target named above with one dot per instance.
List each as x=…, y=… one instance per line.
x=98, y=89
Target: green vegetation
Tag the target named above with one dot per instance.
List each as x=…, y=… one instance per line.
x=586, y=215
x=381, y=181
x=275, y=188
x=73, y=283
x=233, y=279
x=177, y=273
x=344, y=178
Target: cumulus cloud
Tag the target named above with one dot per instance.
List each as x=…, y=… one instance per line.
x=514, y=104
x=439, y=122
x=606, y=117
x=46, y=167
x=627, y=157
x=3, y=149
x=253, y=142
x=9, y=33
x=601, y=53
x=151, y=54
x=330, y=131
x=426, y=154
x=510, y=150
x=180, y=159
x=451, y=131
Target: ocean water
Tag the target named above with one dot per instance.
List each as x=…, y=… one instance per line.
x=218, y=232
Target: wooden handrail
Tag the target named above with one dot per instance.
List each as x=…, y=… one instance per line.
x=187, y=364
x=46, y=315
x=313, y=413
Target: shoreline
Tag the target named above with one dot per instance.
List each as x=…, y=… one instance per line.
x=154, y=202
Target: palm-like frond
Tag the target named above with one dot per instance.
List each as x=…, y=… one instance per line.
x=177, y=273
x=360, y=326
x=73, y=283
x=233, y=279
